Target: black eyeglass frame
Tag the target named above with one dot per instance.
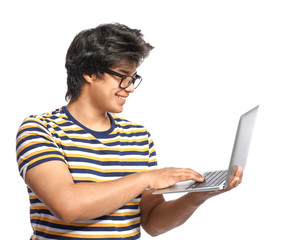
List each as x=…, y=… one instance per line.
x=123, y=77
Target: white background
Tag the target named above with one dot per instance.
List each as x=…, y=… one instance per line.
x=213, y=60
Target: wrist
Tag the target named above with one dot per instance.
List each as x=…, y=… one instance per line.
x=144, y=179
x=196, y=199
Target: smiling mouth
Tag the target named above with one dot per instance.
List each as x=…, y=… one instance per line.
x=121, y=97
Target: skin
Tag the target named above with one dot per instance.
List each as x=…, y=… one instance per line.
x=69, y=201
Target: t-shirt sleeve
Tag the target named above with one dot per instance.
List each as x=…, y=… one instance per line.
x=35, y=145
x=152, y=154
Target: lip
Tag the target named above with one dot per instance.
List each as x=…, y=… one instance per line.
x=121, y=98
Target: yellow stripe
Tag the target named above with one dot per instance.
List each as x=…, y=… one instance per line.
x=32, y=133
x=86, y=236
x=87, y=179
x=115, y=132
x=43, y=157
x=105, y=170
x=33, y=197
x=22, y=128
x=124, y=140
x=132, y=203
x=87, y=224
x=33, y=238
x=138, y=140
x=103, y=148
x=39, y=208
x=100, y=159
x=128, y=132
x=153, y=150
x=33, y=120
x=152, y=160
x=72, y=129
x=123, y=214
x=128, y=124
x=37, y=152
x=57, y=123
x=32, y=143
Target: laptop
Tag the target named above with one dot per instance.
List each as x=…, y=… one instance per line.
x=218, y=180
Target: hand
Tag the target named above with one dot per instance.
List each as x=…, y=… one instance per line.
x=237, y=179
x=166, y=177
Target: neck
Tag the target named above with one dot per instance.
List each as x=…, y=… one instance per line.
x=89, y=116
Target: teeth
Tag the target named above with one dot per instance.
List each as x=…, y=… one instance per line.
x=121, y=97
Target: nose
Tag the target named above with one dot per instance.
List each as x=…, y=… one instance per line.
x=130, y=88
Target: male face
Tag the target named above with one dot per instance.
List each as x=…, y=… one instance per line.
x=105, y=94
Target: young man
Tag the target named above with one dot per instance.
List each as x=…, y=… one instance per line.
x=90, y=173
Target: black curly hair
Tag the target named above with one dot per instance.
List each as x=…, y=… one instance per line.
x=95, y=50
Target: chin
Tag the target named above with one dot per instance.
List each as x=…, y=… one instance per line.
x=116, y=110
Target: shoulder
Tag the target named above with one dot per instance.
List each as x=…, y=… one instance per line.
x=129, y=127
x=44, y=118
x=126, y=124
x=41, y=122
x=136, y=131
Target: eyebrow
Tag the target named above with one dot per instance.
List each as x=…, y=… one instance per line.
x=126, y=72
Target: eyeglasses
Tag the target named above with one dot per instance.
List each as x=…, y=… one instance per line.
x=126, y=80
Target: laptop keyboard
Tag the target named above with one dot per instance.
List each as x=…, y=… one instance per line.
x=211, y=179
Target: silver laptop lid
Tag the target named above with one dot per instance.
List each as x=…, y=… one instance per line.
x=242, y=143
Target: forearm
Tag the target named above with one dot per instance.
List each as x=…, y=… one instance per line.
x=52, y=183
x=93, y=200
x=171, y=214
x=84, y=201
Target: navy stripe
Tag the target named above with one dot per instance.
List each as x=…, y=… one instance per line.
x=37, y=145
x=31, y=129
x=132, y=144
x=67, y=146
x=87, y=228
x=119, y=162
x=46, y=235
x=44, y=159
x=32, y=137
x=126, y=217
x=153, y=154
x=152, y=164
x=101, y=174
x=104, y=151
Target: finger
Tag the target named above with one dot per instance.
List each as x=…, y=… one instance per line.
x=176, y=175
x=238, y=176
x=191, y=174
x=234, y=183
x=239, y=172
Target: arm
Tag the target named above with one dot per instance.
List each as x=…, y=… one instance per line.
x=43, y=166
x=159, y=216
x=53, y=184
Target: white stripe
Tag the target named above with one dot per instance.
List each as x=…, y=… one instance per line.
x=87, y=175
x=35, y=141
x=86, y=233
x=38, y=149
x=115, y=222
x=115, y=140
x=89, y=222
x=111, y=167
x=88, y=136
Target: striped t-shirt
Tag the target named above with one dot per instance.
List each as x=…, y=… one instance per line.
x=91, y=157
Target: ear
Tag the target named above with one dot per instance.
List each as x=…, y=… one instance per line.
x=89, y=78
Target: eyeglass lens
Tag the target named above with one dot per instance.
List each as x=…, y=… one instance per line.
x=126, y=82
